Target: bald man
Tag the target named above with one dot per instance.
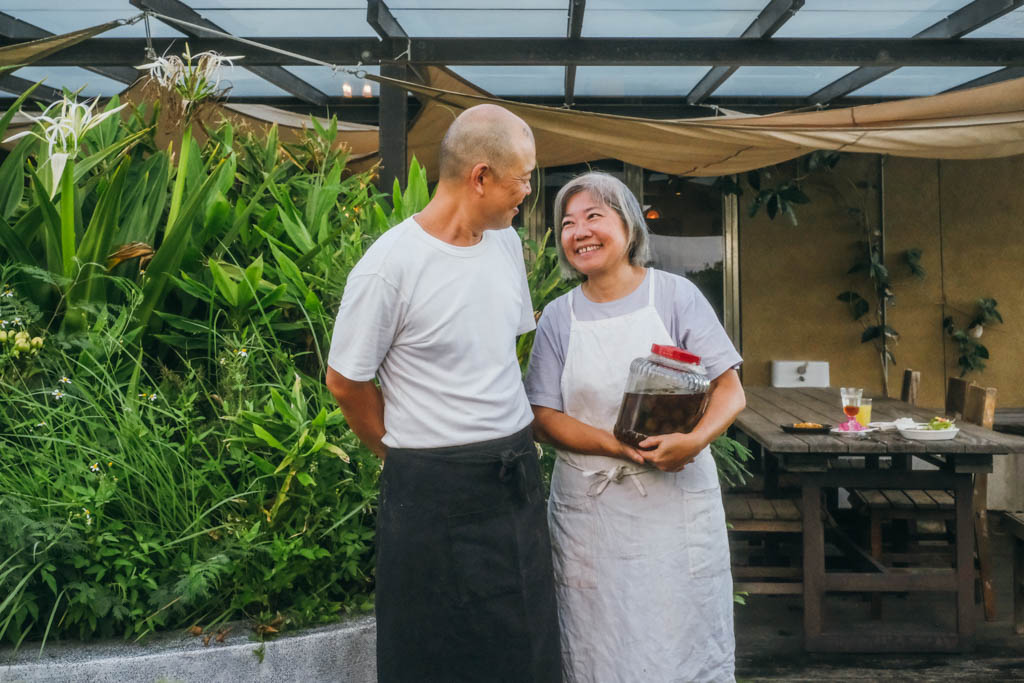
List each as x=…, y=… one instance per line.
x=464, y=580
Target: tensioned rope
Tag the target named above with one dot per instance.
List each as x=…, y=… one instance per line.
x=357, y=72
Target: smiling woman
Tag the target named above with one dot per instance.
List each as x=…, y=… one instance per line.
x=615, y=507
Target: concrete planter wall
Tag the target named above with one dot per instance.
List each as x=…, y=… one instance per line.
x=343, y=652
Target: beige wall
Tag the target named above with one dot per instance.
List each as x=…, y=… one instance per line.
x=966, y=216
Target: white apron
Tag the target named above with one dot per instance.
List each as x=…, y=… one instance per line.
x=641, y=557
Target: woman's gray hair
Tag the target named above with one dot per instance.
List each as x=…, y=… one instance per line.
x=612, y=192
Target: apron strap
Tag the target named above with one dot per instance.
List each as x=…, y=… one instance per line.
x=650, y=287
x=615, y=475
x=512, y=472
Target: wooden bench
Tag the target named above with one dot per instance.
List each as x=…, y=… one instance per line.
x=915, y=505
x=754, y=513
x=1014, y=523
x=965, y=401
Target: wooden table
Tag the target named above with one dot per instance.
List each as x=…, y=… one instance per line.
x=822, y=462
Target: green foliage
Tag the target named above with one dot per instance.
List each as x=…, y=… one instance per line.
x=731, y=457
x=170, y=453
x=971, y=353
x=545, y=281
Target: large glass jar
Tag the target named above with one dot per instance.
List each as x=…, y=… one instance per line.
x=666, y=392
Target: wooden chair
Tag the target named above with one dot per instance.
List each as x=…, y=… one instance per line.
x=965, y=401
x=1014, y=523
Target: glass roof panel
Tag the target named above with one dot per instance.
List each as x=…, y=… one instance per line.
x=244, y=83
x=201, y=5
x=485, y=23
x=12, y=5
x=72, y=78
x=516, y=81
x=913, y=81
x=1010, y=25
x=67, y=20
x=286, y=22
x=630, y=21
x=637, y=81
x=682, y=5
x=866, y=18
x=562, y=5
x=782, y=81
x=331, y=83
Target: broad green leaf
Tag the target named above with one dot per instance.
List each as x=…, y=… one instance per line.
x=11, y=241
x=50, y=225
x=331, y=448
x=268, y=438
x=227, y=288
x=95, y=244
x=12, y=177
x=168, y=257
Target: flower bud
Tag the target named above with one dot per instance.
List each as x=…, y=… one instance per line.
x=37, y=342
x=22, y=346
x=3, y=336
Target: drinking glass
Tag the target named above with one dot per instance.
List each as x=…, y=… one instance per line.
x=864, y=414
x=850, y=397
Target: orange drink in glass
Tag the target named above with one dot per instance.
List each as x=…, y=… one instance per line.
x=864, y=414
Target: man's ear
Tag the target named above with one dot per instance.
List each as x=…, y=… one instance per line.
x=476, y=177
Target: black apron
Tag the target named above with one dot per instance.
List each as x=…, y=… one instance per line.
x=464, y=582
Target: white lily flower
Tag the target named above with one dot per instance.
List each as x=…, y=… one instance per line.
x=64, y=124
x=194, y=77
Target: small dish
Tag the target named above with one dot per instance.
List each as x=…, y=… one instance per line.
x=861, y=432
x=793, y=429
x=919, y=434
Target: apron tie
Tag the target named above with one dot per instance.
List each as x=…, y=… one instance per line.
x=614, y=475
x=512, y=468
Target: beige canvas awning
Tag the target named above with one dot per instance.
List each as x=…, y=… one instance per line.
x=28, y=52
x=978, y=123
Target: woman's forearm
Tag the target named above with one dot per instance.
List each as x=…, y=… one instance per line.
x=561, y=431
x=726, y=401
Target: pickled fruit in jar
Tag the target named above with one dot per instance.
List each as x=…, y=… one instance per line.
x=649, y=414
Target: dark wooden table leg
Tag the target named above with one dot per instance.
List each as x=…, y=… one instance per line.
x=814, y=564
x=964, y=489
x=1018, y=586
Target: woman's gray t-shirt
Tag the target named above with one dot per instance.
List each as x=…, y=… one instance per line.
x=688, y=317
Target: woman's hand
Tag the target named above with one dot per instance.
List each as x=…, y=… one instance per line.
x=625, y=451
x=672, y=452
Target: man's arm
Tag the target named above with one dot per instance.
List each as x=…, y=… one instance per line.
x=363, y=407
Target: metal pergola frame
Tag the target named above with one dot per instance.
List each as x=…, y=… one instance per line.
x=399, y=55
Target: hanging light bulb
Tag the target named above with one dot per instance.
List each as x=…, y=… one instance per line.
x=652, y=214
x=367, y=90
x=346, y=89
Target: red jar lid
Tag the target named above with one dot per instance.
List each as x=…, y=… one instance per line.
x=675, y=353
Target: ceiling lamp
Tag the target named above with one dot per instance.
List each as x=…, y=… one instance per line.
x=652, y=214
x=346, y=90
x=367, y=90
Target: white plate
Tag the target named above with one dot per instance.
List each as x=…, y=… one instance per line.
x=930, y=434
x=837, y=432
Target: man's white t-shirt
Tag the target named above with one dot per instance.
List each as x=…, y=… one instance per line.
x=437, y=324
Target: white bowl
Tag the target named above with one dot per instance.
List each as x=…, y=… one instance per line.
x=919, y=434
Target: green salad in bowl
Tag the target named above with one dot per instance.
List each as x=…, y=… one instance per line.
x=939, y=423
